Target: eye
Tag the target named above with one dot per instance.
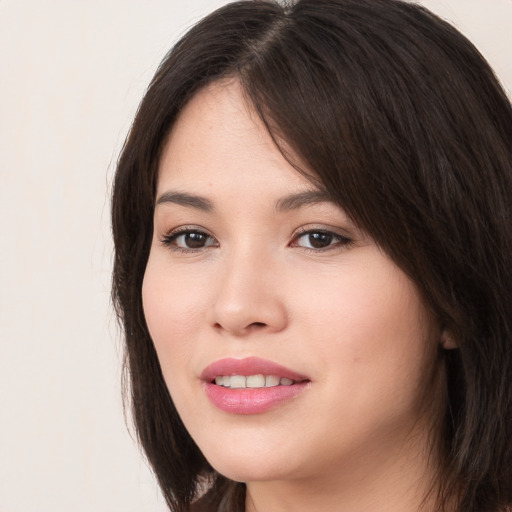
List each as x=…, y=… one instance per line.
x=319, y=239
x=189, y=239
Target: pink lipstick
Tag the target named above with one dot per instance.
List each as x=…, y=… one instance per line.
x=251, y=385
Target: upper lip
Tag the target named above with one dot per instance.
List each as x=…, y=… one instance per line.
x=248, y=366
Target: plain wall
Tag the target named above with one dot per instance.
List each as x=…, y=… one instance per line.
x=71, y=75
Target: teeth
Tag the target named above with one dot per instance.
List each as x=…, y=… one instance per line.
x=252, y=381
x=271, y=380
x=255, y=381
x=238, y=381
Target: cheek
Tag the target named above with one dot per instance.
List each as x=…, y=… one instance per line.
x=173, y=307
x=371, y=330
x=173, y=314
x=365, y=302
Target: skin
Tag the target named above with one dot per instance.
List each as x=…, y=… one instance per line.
x=358, y=438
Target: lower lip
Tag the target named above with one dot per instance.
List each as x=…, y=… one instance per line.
x=252, y=400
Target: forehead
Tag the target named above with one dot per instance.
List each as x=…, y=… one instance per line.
x=219, y=142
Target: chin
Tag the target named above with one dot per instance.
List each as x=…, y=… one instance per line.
x=244, y=466
x=241, y=472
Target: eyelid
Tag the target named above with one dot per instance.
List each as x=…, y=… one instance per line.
x=169, y=238
x=343, y=239
x=340, y=239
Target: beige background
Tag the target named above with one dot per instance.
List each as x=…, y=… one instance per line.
x=71, y=75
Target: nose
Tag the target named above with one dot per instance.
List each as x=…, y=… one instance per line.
x=249, y=297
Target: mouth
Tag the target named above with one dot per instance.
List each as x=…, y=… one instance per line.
x=252, y=381
x=251, y=385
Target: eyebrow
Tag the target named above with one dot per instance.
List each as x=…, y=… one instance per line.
x=287, y=203
x=184, y=199
x=295, y=201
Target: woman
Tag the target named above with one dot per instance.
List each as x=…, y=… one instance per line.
x=311, y=218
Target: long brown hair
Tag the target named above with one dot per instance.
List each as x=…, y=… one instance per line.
x=407, y=128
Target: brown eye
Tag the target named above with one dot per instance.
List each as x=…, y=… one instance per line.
x=189, y=239
x=318, y=240
x=193, y=240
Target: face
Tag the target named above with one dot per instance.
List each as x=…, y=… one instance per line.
x=291, y=345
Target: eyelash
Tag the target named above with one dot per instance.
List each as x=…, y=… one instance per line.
x=170, y=239
x=340, y=241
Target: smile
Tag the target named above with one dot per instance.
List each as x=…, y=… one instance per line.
x=251, y=385
x=252, y=381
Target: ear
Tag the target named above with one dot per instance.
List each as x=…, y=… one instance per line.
x=448, y=341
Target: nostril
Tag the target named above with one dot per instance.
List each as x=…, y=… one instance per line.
x=241, y=330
